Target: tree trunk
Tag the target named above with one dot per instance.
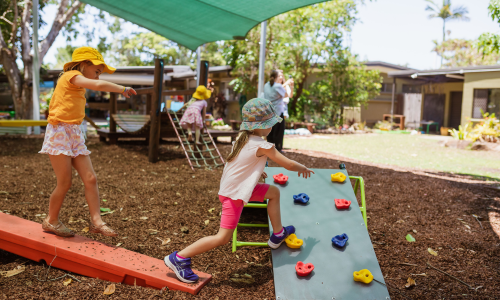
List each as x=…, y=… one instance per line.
x=298, y=93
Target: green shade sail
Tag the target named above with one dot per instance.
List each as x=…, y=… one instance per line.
x=192, y=23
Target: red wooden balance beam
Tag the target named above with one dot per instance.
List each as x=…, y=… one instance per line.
x=90, y=258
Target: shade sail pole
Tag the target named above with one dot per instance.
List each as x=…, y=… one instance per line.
x=262, y=57
x=198, y=66
x=36, y=68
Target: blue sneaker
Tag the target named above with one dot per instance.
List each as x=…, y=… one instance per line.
x=181, y=267
x=274, y=241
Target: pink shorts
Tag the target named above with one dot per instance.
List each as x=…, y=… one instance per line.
x=231, y=209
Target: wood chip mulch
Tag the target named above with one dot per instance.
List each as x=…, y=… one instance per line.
x=436, y=211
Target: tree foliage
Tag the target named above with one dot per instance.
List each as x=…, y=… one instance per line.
x=488, y=42
x=301, y=42
x=345, y=82
x=463, y=53
x=16, y=44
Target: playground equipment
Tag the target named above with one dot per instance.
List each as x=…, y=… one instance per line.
x=88, y=257
x=280, y=178
x=303, y=269
x=293, y=242
x=338, y=177
x=358, y=184
x=19, y=126
x=342, y=203
x=340, y=240
x=363, y=276
x=301, y=198
x=333, y=274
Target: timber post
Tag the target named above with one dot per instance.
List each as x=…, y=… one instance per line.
x=204, y=73
x=154, y=134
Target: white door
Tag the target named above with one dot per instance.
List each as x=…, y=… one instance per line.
x=412, y=108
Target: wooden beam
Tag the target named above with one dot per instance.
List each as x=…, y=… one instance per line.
x=112, y=110
x=175, y=93
x=154, y=134
x=141, y=91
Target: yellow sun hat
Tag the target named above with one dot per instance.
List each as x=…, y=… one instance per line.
x=92, y=55
x=202, y=93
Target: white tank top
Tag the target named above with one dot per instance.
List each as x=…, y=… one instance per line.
x=241, y=175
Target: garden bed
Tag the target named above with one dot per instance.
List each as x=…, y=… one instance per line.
x=437, y=212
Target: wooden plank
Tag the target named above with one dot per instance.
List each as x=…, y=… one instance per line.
x=88, y=257
x=112, y=111
x=21, y=123
x=142, y=91
x=154, y=133
x=178, y=93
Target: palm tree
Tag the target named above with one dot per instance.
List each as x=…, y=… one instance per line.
x=447, y=13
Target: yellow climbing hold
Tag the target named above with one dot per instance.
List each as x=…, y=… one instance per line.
x=338, y=177
x=293, y=242
x=363, y=276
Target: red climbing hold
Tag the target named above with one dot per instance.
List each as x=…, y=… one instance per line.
x=280, y=178
x=304, y=269
x=342, y=203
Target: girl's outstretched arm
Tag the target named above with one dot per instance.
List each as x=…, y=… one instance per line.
x=101, y=85
x=286, y=163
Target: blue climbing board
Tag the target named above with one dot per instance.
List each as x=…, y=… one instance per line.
x=316, y=223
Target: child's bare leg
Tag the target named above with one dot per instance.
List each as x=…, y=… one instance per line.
x=207, y=243
x=197, y=134
x=84, y=167
x=190, y=133
x=273, y=207
x=62, y=167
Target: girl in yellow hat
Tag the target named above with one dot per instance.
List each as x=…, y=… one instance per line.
x=64, y=141
x=194, y=116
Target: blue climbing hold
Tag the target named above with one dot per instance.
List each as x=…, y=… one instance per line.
x=301, y=198
x=340, y=240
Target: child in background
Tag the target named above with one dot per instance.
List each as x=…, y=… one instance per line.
x=64, y=141
x=195, y=114
x=239, y=185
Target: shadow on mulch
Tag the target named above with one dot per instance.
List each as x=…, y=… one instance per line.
x=437, y=212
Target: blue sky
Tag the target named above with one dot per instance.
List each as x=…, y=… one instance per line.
x=394, y=31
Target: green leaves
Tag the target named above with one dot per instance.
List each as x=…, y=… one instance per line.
x=105, y=209
x=410, y=238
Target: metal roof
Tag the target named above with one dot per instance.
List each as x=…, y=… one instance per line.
x=447, y=71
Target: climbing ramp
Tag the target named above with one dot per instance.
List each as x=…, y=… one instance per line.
x=88, y=257
x=199, y=156
x=316, y=223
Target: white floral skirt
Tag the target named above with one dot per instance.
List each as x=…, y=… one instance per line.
x=66, y=139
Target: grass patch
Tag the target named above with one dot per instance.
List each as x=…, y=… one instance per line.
x=414, y=151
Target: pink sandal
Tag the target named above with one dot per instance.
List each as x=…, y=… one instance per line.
x=59, y=229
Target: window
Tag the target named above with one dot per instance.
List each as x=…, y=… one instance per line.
x=486, y=100
x=386, y=88
x=411, y=88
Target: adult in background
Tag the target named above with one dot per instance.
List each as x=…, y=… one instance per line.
x=275, y=92
x=288, y=85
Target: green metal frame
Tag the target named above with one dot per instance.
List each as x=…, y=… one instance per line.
x=237, y=243
x=359, y=183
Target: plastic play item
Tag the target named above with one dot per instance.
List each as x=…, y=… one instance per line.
x=301, y=198
x=304, y=269
x=342, y=203
x=338, y=177
x=363, y=276
x=293, y=242
x=89, y=257
x=280, y=178
x=340, y=240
